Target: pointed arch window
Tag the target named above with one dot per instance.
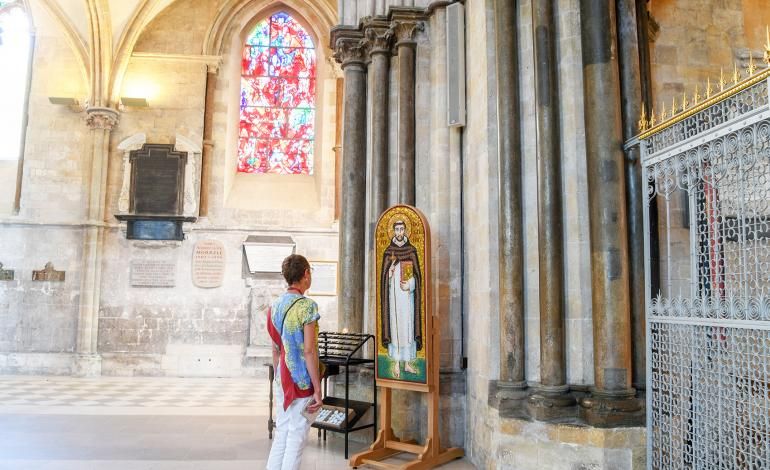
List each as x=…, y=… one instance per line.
x=15, y=57
x=278, y=94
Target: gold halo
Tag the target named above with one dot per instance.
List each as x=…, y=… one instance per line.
x=398, y=216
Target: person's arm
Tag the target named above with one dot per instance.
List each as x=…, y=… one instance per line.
x=276, y=355
x=311, y=361
x=275, y=348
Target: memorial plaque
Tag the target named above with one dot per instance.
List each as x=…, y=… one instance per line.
x=157, y=180
x=208, y=268
x=153, y=273
x=143, y=229
x=6, y=274
x=265, y=254
x=48, y=274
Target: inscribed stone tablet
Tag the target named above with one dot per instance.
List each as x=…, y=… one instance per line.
x=208, y=268
x=153, y=273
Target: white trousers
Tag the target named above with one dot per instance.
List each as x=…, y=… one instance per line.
x=291, y=429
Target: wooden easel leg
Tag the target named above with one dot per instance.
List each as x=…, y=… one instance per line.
x=378, y=451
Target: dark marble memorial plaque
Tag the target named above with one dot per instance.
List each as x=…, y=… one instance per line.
x=48, y=274
x=157, y=180
x=6, y=274
x=142, y=229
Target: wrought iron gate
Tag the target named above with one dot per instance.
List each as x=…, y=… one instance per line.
x=707, y=173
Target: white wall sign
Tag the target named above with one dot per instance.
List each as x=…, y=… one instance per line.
x=324, y=278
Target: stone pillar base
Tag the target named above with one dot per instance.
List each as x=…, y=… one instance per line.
x=88, y=365
x=509, y=398
x=527, y=445
x=612, y=409
x=550, y=403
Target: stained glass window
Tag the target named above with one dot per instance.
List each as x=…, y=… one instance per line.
x=14, y=60
x=276, y=130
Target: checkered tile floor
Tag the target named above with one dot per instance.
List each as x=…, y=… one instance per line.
x=132, y=392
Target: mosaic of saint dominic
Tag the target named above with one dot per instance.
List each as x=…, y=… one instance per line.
x=401, y=301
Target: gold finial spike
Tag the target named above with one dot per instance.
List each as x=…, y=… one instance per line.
x=684, y=101
x=673, y=106
x=736, y=74
x=767, y=45
x=652, y=118
x=752, y=68
x=709, y=90
x=663, y=112
x=696, y=97
x=722, y=81
x=643, y=120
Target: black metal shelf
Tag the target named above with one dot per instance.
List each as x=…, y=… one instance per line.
x=338, y=350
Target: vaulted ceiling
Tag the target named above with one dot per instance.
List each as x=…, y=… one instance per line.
x=102, y=33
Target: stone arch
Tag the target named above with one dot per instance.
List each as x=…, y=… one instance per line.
x=319, y=17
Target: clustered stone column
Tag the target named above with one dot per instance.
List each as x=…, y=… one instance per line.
x=353, y=46
x=380, y=38
x=100, y=121
x=631, y=92
x=511, y=386
x=612, y=398
x=405, y=28
x=351, y=52
x=551, y=395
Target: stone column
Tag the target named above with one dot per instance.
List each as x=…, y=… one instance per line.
x=612, y=398
x=208, y=142
x=631, y=99
x=380, y=39
x=512, y=381
x=101, y=121
x=551, y=395
x=405, y=31
x=351, y=53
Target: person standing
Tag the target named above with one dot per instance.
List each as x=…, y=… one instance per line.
x=292, y=324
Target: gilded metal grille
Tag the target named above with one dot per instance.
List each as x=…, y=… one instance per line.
x=708, y=187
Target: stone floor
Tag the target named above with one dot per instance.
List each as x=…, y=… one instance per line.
x=57, y=423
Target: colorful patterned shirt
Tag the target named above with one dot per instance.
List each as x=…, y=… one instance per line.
x=292, y=339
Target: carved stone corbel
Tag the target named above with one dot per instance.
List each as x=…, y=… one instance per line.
x=101, y=118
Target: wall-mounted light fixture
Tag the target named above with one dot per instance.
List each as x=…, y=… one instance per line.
x=134, y=102
x=70, y=102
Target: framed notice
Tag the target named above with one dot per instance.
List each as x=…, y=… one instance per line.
x=265, y=254
x=324, y=278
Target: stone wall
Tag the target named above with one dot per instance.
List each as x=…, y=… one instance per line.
x=186, y=330
x=502, y=443
x=694, y=39
x=38, y=320
x=177, y=331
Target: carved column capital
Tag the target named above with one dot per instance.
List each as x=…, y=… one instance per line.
x=380, y=40
x=350, y=51
x=406, y=31
x=102, y=118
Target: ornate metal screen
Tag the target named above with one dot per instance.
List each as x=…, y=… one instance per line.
x=707, y=174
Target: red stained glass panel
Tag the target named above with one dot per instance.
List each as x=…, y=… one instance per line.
x=276, y=132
